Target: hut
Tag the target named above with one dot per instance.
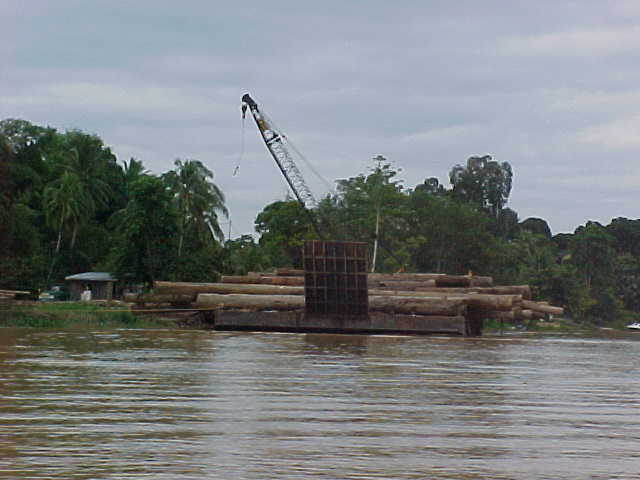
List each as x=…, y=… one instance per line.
x=101, y=285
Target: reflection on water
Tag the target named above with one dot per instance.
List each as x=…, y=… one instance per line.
x=168, y=404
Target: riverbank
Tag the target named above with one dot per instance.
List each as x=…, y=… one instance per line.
x=119, y=315
x=69, y=314
x=560, y=326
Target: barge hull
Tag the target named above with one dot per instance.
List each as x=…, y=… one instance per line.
x=375, y=323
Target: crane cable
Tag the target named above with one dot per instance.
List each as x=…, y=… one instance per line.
x=235, y=170
x=309, y=165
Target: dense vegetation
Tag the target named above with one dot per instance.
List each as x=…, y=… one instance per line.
x=67, y=205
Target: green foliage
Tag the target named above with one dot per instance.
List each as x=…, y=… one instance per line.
x=626, y=234
x=506, y=224
x=537, y=226
x=198, y=201
x=529, y=254
x=67, y=314
x=593, y=254
x=243, y=255
x=448, y=236
x=627, y=275
x=607, y=306
x=561, y=285
x=483, y=182
x=372, y=208
x=147, y=229
x=283, y=227
x=67, y=205
x=431, y=186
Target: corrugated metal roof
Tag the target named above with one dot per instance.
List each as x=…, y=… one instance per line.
x=92, y=277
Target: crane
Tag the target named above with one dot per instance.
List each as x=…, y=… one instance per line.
x=274, y=139
x=275, y=142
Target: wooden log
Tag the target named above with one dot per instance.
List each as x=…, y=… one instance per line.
x=463, y=281
x=447, y=290
x=14, y=292
x=162, y=298
x=196, y=288
x=382, y=292
x=250, y=302
x=411, y=277
x=401, y=285
x=542, y=308
x=289, y=272
x=417, y=305
x=286, y=281
x=523, y=290
x=418, y=277
x=479, y=281
x=410, y=305
x=245, y=279
x=478, y=301
x=481, y=301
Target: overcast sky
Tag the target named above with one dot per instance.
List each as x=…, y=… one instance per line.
x=551, y=87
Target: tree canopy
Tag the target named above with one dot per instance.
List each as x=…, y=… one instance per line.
x=68, y=205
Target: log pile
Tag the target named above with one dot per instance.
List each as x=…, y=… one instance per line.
x=7, y=297
x=421, y=294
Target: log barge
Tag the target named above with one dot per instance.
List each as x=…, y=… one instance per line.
x=334, y=293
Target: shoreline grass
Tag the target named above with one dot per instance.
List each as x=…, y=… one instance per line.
x=71, y=314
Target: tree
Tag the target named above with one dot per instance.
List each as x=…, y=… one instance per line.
x=198, y=201
x=6, y=205
x=448, y=236
x=529, y=254
x=243, y=255
x=627, y=276
x=65, y=203
x=537, y=226
x=506, y=224
x=147, y=228
x=592, y=254
x=283, y=227
x=432, y=186
x=373, y=209
x=132, y=171
x=483, y=182
x=626, y=233
x=6, y=191
x=29, y=145
x=562, y=285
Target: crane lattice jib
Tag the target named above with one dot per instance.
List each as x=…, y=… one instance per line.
x=274, y=140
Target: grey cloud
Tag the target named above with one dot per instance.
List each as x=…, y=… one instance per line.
x=550, y=87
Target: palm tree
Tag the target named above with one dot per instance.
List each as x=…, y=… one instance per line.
x=132, y=172
x=88, y=167
x=80, y=188
x=198, y=200
x=65, y=202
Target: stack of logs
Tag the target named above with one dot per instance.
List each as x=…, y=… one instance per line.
x=7, y=296
x=425, y=294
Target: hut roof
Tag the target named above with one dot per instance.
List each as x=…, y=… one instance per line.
x=92, y=277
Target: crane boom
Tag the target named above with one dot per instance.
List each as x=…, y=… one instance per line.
x=274, y=140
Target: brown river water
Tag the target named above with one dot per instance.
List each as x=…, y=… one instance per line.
x=177, y=404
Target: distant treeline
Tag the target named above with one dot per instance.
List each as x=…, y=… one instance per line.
x=67, y=206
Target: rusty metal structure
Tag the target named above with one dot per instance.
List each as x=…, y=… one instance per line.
x=335, y=278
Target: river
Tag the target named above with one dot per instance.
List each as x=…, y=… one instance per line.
x=179, y=404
